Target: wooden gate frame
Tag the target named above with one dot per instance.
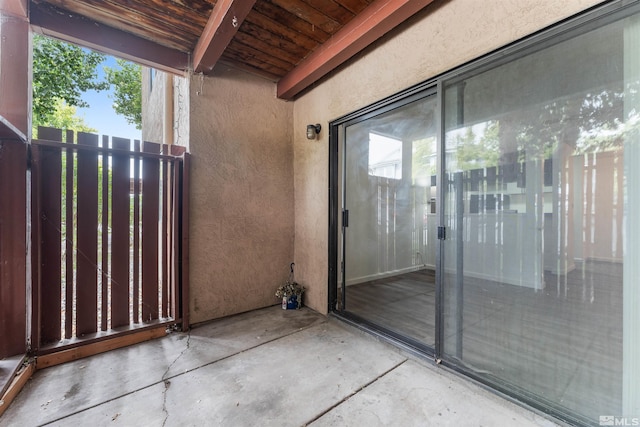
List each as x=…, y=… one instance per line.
x=99, y=341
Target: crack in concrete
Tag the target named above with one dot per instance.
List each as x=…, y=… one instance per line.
x=166, y=381
x=349, y=396
x=164, y=378
x=167, y=384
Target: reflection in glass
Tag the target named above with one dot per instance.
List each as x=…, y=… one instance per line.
x=537, y=198
x=389, y=191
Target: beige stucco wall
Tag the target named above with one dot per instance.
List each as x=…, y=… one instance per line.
x=259, y=188
x=152, y=105
x=181, y=118
x=242, y=218
x=160, y=104
x=436, y=40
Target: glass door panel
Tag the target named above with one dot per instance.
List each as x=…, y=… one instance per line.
x=389, y=169
x=537, y=153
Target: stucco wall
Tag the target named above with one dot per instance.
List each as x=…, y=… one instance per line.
x=242, y=218
x=152, y=105
x=181, y=99
x=436, y=40
x=154, y=96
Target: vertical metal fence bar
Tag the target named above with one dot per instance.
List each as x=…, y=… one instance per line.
x=120, y=220
x=164, y=249
x=69, y=196
x=36, y=245
x=183, y=225
x=50, y=182
x=150, y=218
x=136, y=235
x=87, y=223
x=174, y=233
x=105, y=237
x=174, y=241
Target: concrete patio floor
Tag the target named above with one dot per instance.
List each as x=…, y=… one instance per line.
x=266, y=367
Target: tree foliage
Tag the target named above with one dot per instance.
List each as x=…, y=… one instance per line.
x=475, y=152
x=127, y=83
x=423, y=165
x=62, y=71
x=64, y=117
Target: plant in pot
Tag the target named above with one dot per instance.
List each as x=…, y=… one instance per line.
x=290, y=293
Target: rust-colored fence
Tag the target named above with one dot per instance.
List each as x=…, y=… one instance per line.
x=108, y=228
x=13, y=190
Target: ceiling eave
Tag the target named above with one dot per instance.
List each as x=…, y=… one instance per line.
x=369, y=25
x=222, y=26
x=17, y=8
x=376, y=20
x=51, y=21
x=14, y=81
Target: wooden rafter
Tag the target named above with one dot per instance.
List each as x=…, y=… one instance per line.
x=226, y=18
x=14, y=60
x=83, y=31
x=296, y=41
x=376, y=20
x=14, y=8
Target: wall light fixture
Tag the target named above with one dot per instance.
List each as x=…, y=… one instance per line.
x=313, y=130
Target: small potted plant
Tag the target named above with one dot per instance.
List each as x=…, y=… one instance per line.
x=290, y=293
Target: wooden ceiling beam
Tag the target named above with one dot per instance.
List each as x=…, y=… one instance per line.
x=377, y=19
x=65, y=25
x=14, y=75
x=17, y=8
x=224, y=22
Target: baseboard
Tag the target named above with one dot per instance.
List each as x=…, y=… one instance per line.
x=523, y=282
x=386, y=274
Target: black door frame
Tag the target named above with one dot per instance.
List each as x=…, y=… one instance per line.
x=336, y=266
x=592, y=18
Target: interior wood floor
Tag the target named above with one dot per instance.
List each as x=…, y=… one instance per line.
x=404, y=304
x=563, y=344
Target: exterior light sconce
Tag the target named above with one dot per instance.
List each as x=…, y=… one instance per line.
x=313, y=130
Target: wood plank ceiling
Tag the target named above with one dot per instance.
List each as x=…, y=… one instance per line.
x=272, y=38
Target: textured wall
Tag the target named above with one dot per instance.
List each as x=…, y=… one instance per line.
x=242, y=218
x=152, y=105
x=434, y=41
x=181, y=99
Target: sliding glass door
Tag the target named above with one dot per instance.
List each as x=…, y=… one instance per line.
x=389, y=170
x=533, y=232
x=540, y=185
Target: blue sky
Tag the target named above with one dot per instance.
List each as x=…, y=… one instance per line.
x=101, y=115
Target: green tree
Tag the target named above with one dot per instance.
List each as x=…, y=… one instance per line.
x=64, y=117
x=127, y=84
x=479, y=151
x=468, y=151
x=490, y=143
x=62, y=71
x=423, y=163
